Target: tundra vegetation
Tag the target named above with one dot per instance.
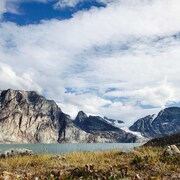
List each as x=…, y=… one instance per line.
x=141, y=163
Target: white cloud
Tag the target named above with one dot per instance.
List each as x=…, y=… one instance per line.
x=12, y=6
x=127, y=45
x=128, y=113
x=9, y=78
x=67, y=3
x=73, y=3
x=159, y=95
x=87, y=102
x=2, y=8
x=156, y=96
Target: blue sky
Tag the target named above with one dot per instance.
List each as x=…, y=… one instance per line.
x=114, y=58
x=33, y=12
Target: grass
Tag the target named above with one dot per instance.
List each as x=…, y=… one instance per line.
x=147, y=162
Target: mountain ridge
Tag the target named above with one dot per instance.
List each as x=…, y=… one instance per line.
x=100, y=126
x=166, y=122
x=90, y=123
x=27, y=117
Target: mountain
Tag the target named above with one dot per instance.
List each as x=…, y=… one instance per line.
x=27, y=117
x=97, y=125
x=117, y=123
x=166, y=122
x=93, y=123
x=165, y=141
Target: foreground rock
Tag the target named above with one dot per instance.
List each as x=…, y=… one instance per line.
x=16, y=152
x=165, y=123
x=171, y=150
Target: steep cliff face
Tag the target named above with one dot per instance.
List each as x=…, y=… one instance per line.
x=73, y=134
x=26, y=117
x=165, y=123
x=99, y=126
x=144, y=125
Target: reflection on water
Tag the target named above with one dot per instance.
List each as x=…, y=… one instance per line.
x=66, y=148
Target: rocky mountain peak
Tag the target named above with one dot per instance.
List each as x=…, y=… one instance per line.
x=93, y=123
x=170, y=111
x=28, y=117
x=8, y=95
x=102, y=127
x=166, y=122
x=81, y=116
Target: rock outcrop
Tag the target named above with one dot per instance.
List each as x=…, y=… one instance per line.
x=16, y=152
x=171, y=150
x=165, y=123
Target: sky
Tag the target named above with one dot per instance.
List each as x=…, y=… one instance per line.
x=114, y=58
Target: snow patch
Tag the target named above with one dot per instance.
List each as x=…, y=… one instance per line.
x=132, y=132
x=140, y=138
x=114, y=123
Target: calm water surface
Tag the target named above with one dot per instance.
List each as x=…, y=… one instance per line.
x=67, y=148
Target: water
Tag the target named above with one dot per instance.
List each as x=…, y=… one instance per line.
x=68, y=148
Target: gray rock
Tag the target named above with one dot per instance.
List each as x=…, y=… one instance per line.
x=167, y=151
x=171, y=150
x=57, y=157
x=16, y=152
x=2, y=155
x=175, y=149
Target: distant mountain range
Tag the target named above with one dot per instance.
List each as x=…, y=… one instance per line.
x=26, y=117
x=166, y=122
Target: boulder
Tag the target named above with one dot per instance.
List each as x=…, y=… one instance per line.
x=175, y=149
x=16, y=152
x=171, y=150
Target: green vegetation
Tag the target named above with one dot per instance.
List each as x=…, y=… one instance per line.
x=146, y=162
x=164, y=141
